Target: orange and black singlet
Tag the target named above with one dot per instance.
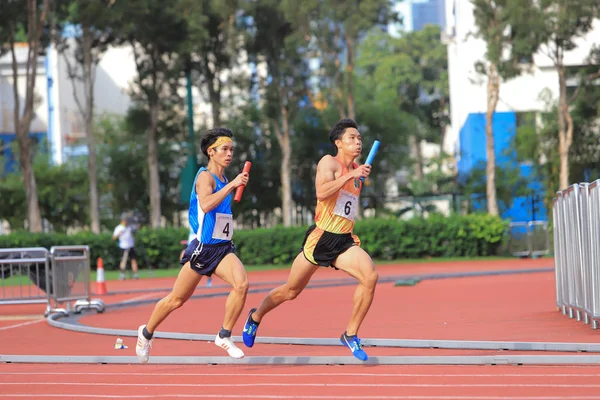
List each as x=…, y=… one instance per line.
x=331, y=235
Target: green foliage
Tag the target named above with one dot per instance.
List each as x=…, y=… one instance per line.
x=62, y=195
x=261, y=195
x=510, y=184
x=123, y=156
x=585, y=101
x=13, y=206
x=511, y=31
x=542, y=143
x=211, y=46
x=384, y=239
x=403, y=91
x=269, y=246
x=284, y=51
x=436, y=236
x=97, y=16
x=410, y=72
x=158, y=248
x=561, y=22
x=335, y=30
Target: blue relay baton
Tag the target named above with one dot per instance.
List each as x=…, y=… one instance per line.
x=371, y=155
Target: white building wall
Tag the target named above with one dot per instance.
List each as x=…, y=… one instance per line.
x=40, y=120
x=113, y=76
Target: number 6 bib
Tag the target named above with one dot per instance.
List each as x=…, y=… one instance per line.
x=346, y=205
x=223, y=227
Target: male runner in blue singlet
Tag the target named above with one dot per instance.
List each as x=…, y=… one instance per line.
x=211, y=250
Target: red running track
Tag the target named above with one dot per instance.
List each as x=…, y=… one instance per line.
x=513, y=308
x=299, y=382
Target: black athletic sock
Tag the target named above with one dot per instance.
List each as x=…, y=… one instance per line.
x=252, y=319
x=223, y=333
x=147, y=334
x=349, y=336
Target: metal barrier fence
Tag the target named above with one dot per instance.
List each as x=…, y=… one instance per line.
x=24, y=273
x=529, y=239
x=576, y=216
x=57, y=278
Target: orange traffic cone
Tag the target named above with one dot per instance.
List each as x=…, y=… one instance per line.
x=100, y=284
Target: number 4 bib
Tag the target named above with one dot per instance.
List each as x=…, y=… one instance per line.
x=223, y=227
x=346, y=205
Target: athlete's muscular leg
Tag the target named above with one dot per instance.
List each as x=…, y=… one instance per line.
x=358, y=264
x=186, y=283
x=232, y=271
x=301, y=272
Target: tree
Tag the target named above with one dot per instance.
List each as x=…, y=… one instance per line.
x=563, y=22
x=155, y=44
x=92, y=39
x=12, y=24
x=123, y=163
x=282, y=47
x=539, y=143
x=212, y=46
x=508, y=29
x=335, y=29
x=262, y=195
x=411, y=74
x=62, y=192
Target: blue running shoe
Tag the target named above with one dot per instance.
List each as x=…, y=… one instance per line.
x=250, y=328
x=353, y=343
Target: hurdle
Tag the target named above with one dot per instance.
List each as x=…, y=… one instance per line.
x=58, y=277
x=24, y=276
x=529, y=239
x=71, y=279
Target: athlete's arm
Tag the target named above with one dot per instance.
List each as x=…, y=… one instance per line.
x=326, y=183
x=205, y=185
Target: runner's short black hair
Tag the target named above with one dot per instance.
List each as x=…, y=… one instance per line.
x=338, y=129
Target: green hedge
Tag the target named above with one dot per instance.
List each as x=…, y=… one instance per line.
x=159, y=246
x=385, y=239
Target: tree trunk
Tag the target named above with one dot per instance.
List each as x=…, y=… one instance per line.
x=22, y=122
x=213, y=85
x=565, y=128
x=286, y=179
x=283, y=137
x=350, y=77
x=442, y=123
x=493, y=89
x=153, y=176
x=215, y=103
x=415, y=148
x=88, y=81
x=339, y=78
x=34, y=219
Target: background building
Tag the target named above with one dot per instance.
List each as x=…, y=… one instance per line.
x=428, y=12
x=518, y=98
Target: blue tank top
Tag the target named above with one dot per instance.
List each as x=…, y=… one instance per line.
x=215, y=226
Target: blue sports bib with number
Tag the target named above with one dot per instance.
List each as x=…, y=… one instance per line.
x=215, y=226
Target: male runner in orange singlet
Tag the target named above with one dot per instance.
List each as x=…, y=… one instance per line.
x=330, y=242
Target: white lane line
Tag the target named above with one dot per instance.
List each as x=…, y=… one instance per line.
x=441, y=374
x=308, y=397
x=261, y=384
x=22, y=324
x=137, y=298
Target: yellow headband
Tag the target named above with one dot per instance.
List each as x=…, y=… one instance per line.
x=220, y=140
